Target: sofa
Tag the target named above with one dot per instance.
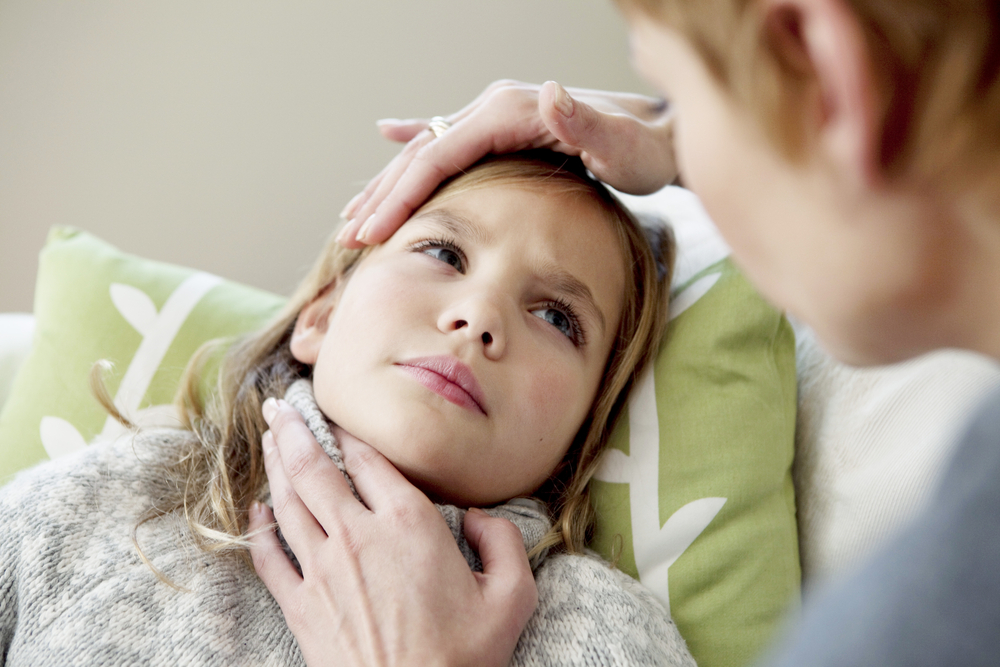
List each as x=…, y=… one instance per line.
x=869, y=443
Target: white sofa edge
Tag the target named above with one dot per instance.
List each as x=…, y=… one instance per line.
x=16, y=332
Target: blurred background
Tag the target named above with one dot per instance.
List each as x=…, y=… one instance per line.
x=227, y=135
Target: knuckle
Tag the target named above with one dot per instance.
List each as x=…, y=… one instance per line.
x=343, y=535
x=360, y=461
x=283, y=418
x=295, y=612
x=282, y=501
x=403, y=515
x=507, y=530
x=298, y=463
x=425, y=160
x=415, y=145
x=503, y=83
x=514, y=95
x=592, y=121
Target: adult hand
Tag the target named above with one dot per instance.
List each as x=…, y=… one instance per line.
x=383, y=584
x=625, y=140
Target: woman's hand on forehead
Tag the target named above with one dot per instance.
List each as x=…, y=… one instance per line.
x=385, y=585
x=626, y=140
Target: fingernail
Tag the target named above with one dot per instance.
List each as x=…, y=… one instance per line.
x=256, y=509
x=269, y=409
x=387, y=121
x=342, y=234
x=563, y=102
x=362, y=235
x=349, y=209
x=267, y=442
x=477, y=511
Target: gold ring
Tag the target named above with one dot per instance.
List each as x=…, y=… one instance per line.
x=438, y=125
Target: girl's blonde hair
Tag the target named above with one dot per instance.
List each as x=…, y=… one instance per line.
x=220, y=470
x=936, y=63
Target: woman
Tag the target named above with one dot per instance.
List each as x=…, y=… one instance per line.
x=850, y=153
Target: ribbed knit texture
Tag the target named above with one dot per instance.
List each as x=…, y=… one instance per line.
x=74, y=591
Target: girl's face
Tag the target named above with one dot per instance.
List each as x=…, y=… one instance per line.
x=469, y=347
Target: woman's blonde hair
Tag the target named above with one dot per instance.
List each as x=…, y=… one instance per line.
x=220, y=470
x=936, y=63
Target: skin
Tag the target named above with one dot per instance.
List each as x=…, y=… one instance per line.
x=484, y=293
x=883, y=268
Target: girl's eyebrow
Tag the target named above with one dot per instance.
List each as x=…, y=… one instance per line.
x=564, y=282
x=458, y=225
x=556, y=278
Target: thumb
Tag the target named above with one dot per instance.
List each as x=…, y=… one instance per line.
x=620, y=149
x=506, y=573
x=574, y=122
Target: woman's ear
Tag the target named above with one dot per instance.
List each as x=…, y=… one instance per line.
x=311, y=326
x=825, y=37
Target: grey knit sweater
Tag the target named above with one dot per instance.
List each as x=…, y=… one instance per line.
x=73, y=589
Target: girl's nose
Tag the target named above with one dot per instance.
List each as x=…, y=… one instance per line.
x=480, y=320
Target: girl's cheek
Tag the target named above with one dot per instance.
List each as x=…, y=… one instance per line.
x=554, y=393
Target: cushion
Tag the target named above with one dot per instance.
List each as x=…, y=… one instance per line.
x=94, y=302
x=695, y=498
x=713, y=424
x=15, y=343
x=872, y=444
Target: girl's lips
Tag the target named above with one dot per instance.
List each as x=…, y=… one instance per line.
x=448, y=377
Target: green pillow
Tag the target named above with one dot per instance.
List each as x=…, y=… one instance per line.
x=702, y=462
x=719, y=410
x=94, y=302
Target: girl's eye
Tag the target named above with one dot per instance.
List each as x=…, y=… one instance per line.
x=445, y=255
x=443, y=251
x=562, y=321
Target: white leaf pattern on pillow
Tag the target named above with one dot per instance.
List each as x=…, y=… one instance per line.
x=656, y=545
x=59, y=437
x=691, y=294
x=135, y=306
x=159, y=331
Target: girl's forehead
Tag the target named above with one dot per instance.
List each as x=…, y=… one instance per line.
x=555, y=205
x=565, y=238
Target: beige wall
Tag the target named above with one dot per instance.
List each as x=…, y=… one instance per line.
x=227, y=134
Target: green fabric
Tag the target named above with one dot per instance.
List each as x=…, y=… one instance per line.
x=77, y=323
x=724, y=397
x=725, y=406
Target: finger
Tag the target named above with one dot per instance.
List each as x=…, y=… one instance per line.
x=306, y=486
x=269, y=559
x=350, y=211
x=396, y=129
x=375, y=205
x=299, y=527
x=402, y=131
x=506, y=576
x=377, y=481
x=405, y=131
x=625, y=152
x=643, y=107
x=432, y=163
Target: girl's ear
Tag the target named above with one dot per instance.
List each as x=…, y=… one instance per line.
x=311, y=326
x=825, y=36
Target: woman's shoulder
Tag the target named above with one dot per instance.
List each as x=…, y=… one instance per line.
x=587, y=606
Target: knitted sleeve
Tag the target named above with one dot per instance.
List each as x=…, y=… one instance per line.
x=592, y=614
x=8, y=590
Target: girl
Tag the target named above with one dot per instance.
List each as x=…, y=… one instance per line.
x=485, y=350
